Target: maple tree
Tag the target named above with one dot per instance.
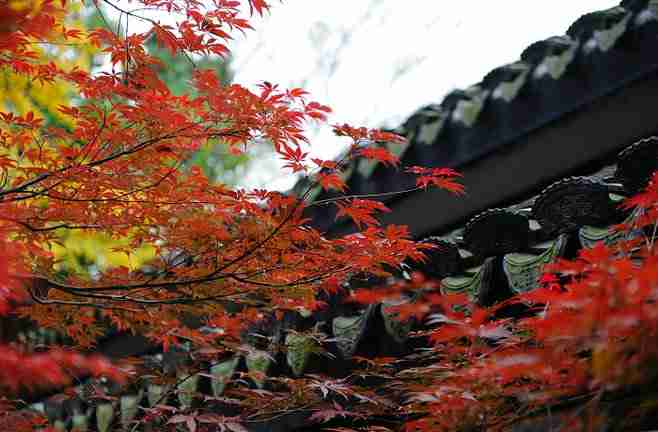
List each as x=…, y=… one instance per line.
x=115, y=172
x=224, y=256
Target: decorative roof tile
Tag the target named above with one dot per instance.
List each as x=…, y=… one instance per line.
x=636, y=164
x=495, y=232
x=511, y=79
x=468, y=108
x=523, y=270
x=551, y=57
x=570, y=203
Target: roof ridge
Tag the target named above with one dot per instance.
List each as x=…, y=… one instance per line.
x=600, y=53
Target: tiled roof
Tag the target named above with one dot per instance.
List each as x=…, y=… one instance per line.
x=601, y=53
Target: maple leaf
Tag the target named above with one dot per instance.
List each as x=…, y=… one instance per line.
x=326, y=387
x=331, y=181
x=259, y=6
x=166, y=38
x=361, y=211
x=231, y=424
x=329, y=164
x=324, y=415
x=647, y=198
x=331, y=285
x=379, y=154
x=443, y=178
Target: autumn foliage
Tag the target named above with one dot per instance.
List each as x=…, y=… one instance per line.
x=116, y=171
x=590, y=340
x=226, y=255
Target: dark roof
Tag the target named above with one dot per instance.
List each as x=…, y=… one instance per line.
x=551, y=112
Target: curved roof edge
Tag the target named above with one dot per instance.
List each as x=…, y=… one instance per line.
x=601, y=53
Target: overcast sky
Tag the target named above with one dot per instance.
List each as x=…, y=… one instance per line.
x=376, y=61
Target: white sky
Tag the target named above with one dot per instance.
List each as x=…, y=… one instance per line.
x=376, y=61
